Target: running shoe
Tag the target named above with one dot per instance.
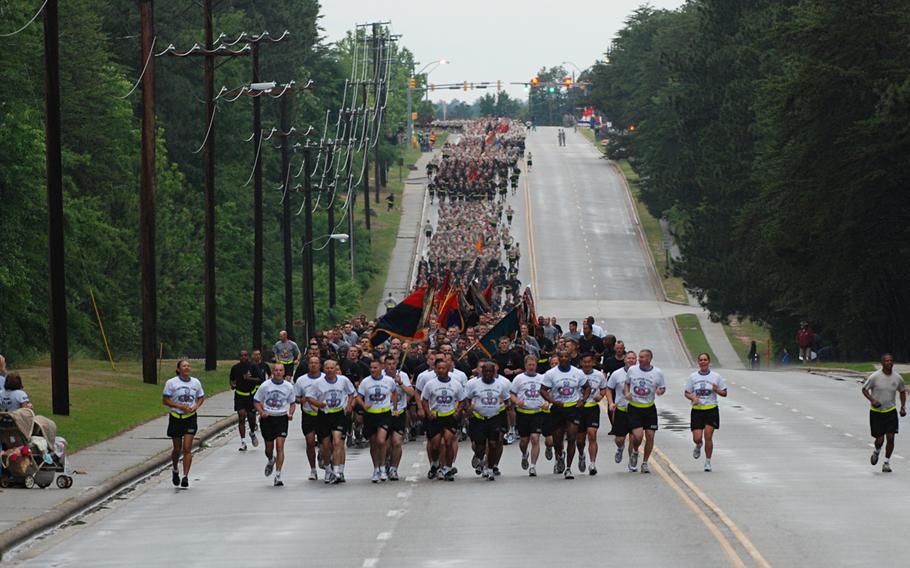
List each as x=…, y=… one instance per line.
x=242, y=448
x=375, y=478
x=549, y=453
x=633, y=461
x=592, y=470
x=383, y=476
x=339, y=478
x=582, y=463
x=632, y=468
x=185, y=482
x=334, y=480
x=707, y=465
x=254, y=439
x=393, y=474
x=560, y=463
x=433, y=470
x=269, y=467
x=175, y=477
x=874, y=458
x=454, y=470
x=441, y=473
x=524, y=461
x=475, y=462
x=496, y=472
x=329, y=476
x=617, y=457
x=568, y=473
x=696, y=453
x=645, y=468
x=886, y=468
x=313, y=475
x=450, y=475
x=532, y=471
x=487, y=474
x=278, y=482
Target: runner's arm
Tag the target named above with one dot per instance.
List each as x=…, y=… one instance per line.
x=875, y=403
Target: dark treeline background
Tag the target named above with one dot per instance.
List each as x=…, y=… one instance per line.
x=775, y=137
x=100, y=62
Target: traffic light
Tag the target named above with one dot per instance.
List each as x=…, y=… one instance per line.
x=534, y=82
x=465, y=86
x=568, y=82
x=412, y=83
x=632, y=128
x=551, y=89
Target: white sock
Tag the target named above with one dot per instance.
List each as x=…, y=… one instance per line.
x=341, y=469
x=887, y=460
x=336, y=469
x=277, y=474
x=243, y=441
x=435, y=463
x=592, y=466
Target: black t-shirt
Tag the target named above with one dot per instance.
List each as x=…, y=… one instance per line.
x=593, y=344
x=263, y=371
x=245, y=377
x=612, y=363
x=414, y=365
x=354, y=370
x=511, y=359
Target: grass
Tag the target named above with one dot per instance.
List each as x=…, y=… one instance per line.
x=103, y=402
x=673, y=285
x=693, y=336
x=852, y=366
x=589, y=134
x=741, y=335
x=384, y=226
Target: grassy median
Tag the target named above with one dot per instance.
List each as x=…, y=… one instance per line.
x=693, y=336
x=104, y=402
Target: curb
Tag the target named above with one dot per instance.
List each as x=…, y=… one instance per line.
x=682, y=342
x=32, y=527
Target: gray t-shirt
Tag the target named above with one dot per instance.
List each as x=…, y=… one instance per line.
x=884, y=388
x=285, y=351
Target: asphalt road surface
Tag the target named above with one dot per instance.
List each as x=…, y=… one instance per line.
x=791, y=485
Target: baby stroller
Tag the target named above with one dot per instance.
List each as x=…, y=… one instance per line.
x=32, y=454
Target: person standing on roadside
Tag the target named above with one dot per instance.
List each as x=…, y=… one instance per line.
x=286, y=353
x=702, y=390
x=183, y=395
x=275, y=403
x=244, y=379
x=880, y=390
x=804, y=339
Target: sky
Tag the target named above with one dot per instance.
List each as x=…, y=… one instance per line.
x=490, y=40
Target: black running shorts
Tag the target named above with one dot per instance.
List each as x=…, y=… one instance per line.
x=528, y=424
x=620, y=424
x=590, y=416
x=440, y=423
x=373, y=422
x=330, y=422
x=698, y=419
x=273, y=427
x=881, y=423
x=483, y=430
x=180, y=427
x=642, y=417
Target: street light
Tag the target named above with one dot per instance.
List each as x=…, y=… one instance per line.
x=411, y=83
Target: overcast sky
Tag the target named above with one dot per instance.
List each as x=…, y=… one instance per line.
x=490, y=40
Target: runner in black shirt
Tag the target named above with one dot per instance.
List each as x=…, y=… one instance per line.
x=244, y=378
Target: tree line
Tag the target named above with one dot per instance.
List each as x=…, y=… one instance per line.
x=100, y=63
x=774, y=135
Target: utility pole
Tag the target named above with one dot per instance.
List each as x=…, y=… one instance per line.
x=147, y=199
x=378, y=57
x=58, y=321
x=331, y=225
x=208, y=168
x=258, y=243
x=366, y=157
x=286, y=218
x=309, y=300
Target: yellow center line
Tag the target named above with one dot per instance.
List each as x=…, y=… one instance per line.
x=731, y=554
x=727, y=521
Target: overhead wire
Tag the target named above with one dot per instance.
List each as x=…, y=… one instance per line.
x=28, y=23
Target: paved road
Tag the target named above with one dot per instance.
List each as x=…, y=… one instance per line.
x=791, y=485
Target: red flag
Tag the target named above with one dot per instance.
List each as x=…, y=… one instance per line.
x=488, y=293
x=449, y=313
x=406, y=320
x=491, y=138
x=442, y=292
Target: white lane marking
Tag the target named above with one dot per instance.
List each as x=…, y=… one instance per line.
x=402, y=495
x=384, y=535
x=779, y=403
x=848, y=434
x=766, y=398
x=898, y=457
x=411, y=478
x=871, y=445
x=415, y=464
x=827, y=425
x=794, y=410
x=395, y=513
x=370, y=562
x=810, y=418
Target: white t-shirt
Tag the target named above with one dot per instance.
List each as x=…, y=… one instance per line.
x=617, y=382
x=459, y=376
x=443, y=396
x=565, y=386
x=377, y=392
x=2, y=381
x=12, y=400
x=597, y=381
x=527, y=389
x=303, y=384
x=276, y=398
x=185, y=392
x=402, y=403
x=488, y=399
x=423, y=378
x=644, y=384
x=701, y=386
x=335, y=394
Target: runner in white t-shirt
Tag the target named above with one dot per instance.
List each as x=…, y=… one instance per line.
x=643, y=383
x=421, y=382
x=378, y=393
x=618, y=405
x=275, y=402
x=590, y=414
x=566, y=388
x=702, y=390
x=183, y=395
x=333, y=396
x=525, y=394
x=442, y=400
x=398, y=423
x=487, y=396
x=308, y=414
